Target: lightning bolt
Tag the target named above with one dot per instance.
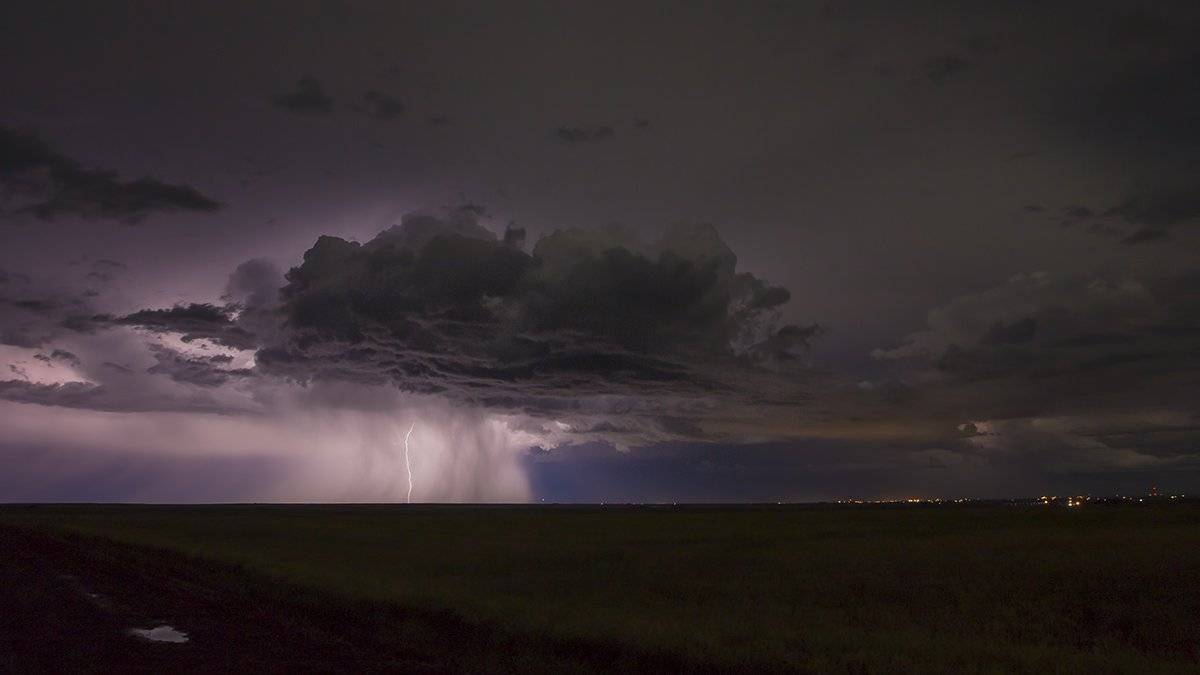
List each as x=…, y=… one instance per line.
x=407, y=465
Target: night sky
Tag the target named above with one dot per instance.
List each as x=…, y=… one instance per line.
x=598, y=251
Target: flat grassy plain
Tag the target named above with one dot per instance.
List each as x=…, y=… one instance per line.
x=987, y=588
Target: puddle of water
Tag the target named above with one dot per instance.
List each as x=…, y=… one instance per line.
x=159, y=634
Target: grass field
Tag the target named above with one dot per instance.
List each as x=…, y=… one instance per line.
x=858, y=589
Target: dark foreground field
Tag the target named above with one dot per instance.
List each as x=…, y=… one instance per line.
x=853, y=589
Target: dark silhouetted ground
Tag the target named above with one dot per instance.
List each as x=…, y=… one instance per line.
x=1000, y=588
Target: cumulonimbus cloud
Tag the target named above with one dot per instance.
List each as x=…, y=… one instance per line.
x=590, y=322
x=590, y=334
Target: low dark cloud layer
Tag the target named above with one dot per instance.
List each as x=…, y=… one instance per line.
x=32, y=316
x=1156, y=211
x=105, y=270
x=380, y=105
x=196, y=321
x=1069, y=367
x=203, y=371
x=308, y=97
x=37, y=179
x=584, y=134
x=1151, y=104
x=1142, y=216
x=1079, y=331
x=59, y=355
x=941, y=69
x=68, y=394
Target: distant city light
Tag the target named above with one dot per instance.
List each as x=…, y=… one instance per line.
x=1071, y=501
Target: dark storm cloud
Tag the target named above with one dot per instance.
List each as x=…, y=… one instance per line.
x=583, y=134
x=308, y=97
x=514, y=236
x=60, y=355
x=202, y=371
x=86, y=359
x=196, y=321
x=87, y=324
x=1160, y=208
x=442, y=306
x=942, y=68
x=1156, y=104
x=37, y=305
x=32, y=317
x=473, y=210
x=10, y=277
x=1141, y=217
x=380, y=105
x=255, y=283
x=68, y=394
x=1071, y=375
x=1136, y=95
x=1138, y=28
x=1017, y=332
x=624, y=339
x=1145, y=234
x=1041, y=345
x=46, y=183
x=104, y=270
x=118, y=370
